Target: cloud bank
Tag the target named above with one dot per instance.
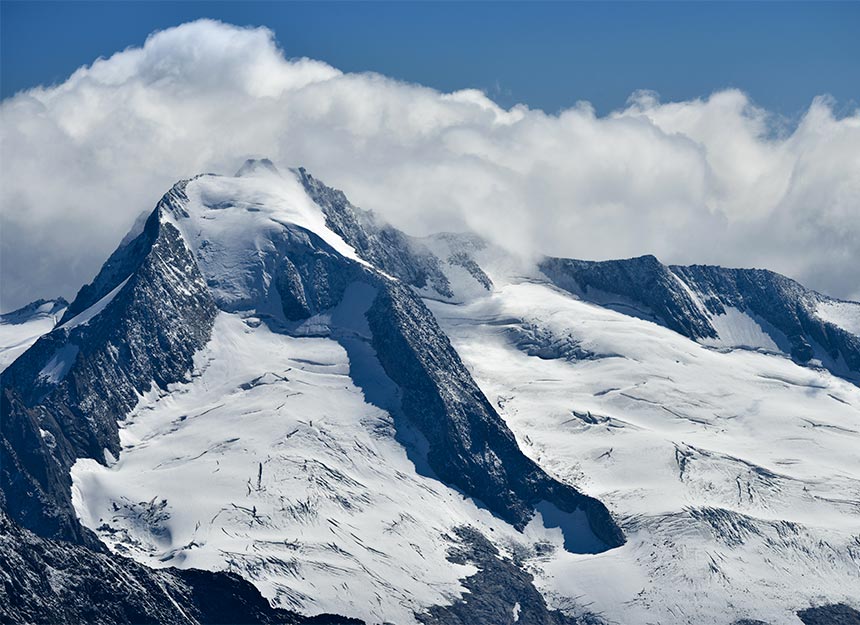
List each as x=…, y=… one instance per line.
x=714, y=180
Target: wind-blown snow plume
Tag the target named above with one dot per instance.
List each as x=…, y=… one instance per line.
x=717, y=180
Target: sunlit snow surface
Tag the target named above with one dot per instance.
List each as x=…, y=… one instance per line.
x=231, y=225
x=270, y=463
x=16, y=338
x=846, y=315
x=84, y=317
x=735, y=475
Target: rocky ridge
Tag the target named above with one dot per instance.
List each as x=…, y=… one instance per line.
x=692, y=300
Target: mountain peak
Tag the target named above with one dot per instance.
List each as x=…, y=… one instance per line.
x=257, y=166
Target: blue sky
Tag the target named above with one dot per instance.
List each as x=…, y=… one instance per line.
x=547, y=55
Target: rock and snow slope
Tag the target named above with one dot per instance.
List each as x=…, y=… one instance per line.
x=21, y=328
x=51, y=581
x=735, y=474
x=272, y=463
x=290, y=410
x=322, y=443
x=728, y=308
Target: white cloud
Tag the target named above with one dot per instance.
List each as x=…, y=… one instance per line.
x=716, y=180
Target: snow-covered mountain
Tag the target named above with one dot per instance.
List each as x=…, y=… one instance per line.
x=267, y=380
x=20, y=328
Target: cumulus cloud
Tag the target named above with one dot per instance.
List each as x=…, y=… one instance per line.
x=716, y=180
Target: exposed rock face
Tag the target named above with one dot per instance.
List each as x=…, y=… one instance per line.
x=470, y=447
x=833, y=614
x=62, y=399
x=380, y=244
x=500, y=592
x=538, y=341
x=310, y=276
x=462, y=259
x=687, y=299
x=838, y=614
x=782, y=302
x=48, y=581
x=643, y=280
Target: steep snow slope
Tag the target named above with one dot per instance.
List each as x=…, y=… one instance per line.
x=233, y=226
x=735, y=474
x=21, y=328
x=845, y=315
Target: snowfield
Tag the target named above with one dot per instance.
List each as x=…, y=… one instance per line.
x=230, y=225
x=734, y=473
x=270, y=463
x=20, y=329
x=846, y=315
x=278, y=458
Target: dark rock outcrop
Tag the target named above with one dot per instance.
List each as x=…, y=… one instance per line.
x=832, y=614
x=464, y=260
x=470, y=446
x=783, y=303
x=642, y=280
x=644, y=287
x=837, y=614
x=50, y=581
x=539, y=341
x=62, y=399
x=380, y=244
x=500, y=592
x=310, y=276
